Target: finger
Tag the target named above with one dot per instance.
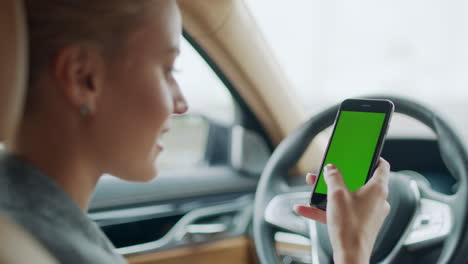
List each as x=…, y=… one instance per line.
x=333, y=178
x=311, y=179
x=379, y=182
x=381, y=174
x=311, y=213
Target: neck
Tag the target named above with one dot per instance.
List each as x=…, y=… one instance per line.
x=57, y=153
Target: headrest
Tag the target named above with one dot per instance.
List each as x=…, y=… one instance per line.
x=13, y=66
x=19, y=247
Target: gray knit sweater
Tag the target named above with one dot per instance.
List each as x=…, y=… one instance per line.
x=36, y=203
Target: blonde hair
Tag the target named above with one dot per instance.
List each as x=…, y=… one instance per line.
x=54, y=24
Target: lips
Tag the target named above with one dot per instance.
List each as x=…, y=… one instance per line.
x=160, y=143
x=159, y=146
x=165, y=130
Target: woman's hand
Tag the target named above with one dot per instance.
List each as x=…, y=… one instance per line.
x=353, y=218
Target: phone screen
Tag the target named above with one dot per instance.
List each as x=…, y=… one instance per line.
x=352, y=147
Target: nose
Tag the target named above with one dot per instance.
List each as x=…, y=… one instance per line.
x=180, y=103
x=180, y=106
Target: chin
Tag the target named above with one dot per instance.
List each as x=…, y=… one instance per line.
x=147, y=175
x=142, y=174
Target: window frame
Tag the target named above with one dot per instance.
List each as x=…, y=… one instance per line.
x=243, y=115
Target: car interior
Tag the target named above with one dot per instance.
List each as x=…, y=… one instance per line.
x=19, y=247
x=246, y=160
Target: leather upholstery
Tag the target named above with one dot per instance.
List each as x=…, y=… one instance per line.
x=16, y=245
x=13, y=66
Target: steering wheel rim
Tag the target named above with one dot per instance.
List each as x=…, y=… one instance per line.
x=286, y=155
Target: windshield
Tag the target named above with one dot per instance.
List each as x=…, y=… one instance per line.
x=337, y=49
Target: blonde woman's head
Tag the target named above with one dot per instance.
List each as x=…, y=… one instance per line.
x=101, y=75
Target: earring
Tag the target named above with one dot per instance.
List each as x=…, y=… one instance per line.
x=84, y=110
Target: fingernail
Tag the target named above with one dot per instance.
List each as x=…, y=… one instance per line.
x=330, y=167
x=296, y=207
x=181, y=106
x=308, y=176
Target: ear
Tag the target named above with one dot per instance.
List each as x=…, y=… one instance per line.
x=78, y=71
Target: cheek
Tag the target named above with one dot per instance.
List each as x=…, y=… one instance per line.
x=156, y=101
x=149, y=107
x=134, y=114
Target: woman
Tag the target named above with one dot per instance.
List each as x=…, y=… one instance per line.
x=99, y=97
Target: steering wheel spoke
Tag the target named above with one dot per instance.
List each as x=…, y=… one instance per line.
x=433, y=222
x=279, y=212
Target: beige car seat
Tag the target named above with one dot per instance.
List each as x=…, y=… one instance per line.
x=16, y=245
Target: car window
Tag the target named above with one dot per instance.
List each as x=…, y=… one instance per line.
x=332, y=50
x=210, y=106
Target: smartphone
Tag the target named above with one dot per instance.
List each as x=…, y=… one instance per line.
x=355, y=145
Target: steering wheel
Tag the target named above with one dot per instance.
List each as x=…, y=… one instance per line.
x=420, y=216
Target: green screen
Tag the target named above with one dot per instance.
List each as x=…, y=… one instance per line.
x=352, y=147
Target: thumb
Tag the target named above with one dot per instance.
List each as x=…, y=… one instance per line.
x=333, y=178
